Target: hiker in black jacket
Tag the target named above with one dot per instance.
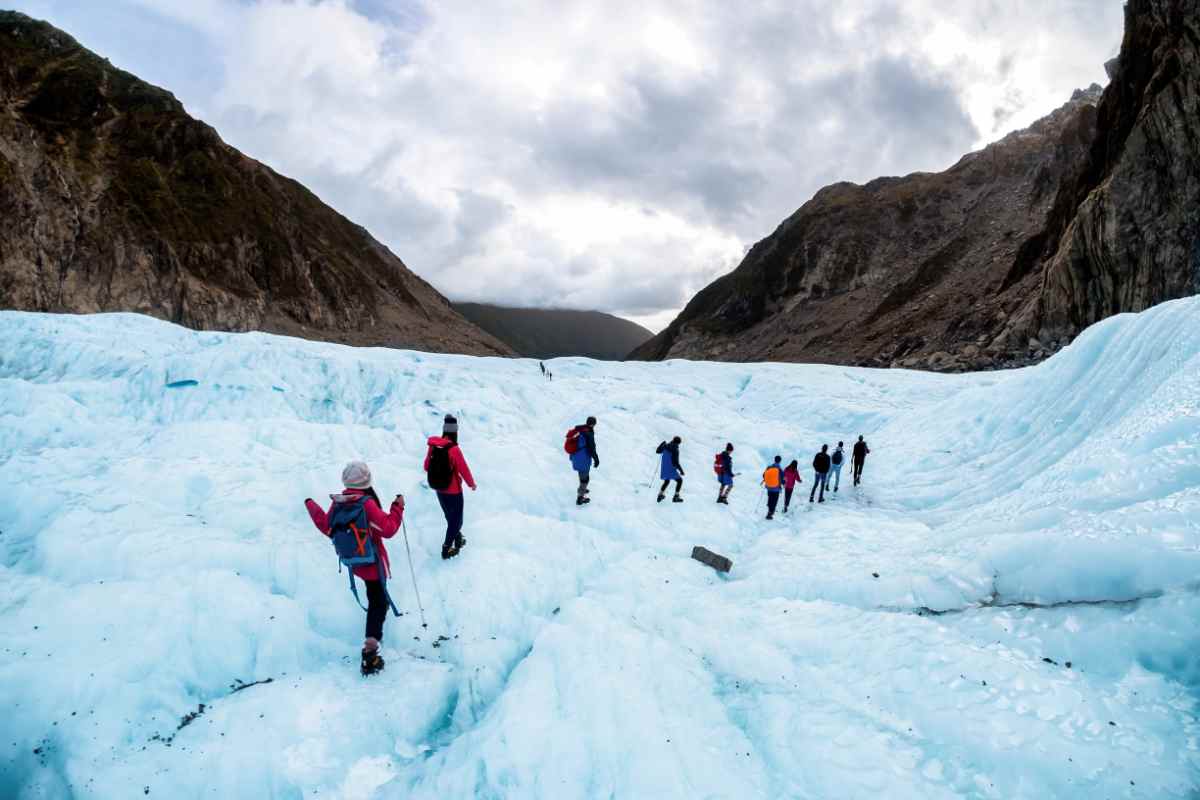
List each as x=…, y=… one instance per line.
x=858, y=458
x=670, y=470
x=821, y=473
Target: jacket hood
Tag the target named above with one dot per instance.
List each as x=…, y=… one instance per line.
x=439, y=441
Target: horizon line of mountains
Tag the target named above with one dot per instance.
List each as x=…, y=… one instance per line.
x=112, y=198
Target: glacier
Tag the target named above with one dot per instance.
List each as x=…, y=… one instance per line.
x=1007, y=607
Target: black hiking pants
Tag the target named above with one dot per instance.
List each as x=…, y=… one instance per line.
x=584, y=479
x=858, y=465
x=377, y=609
x=787, y=498
x=820, y=480
x=678, y=486
x=772, y=501
x=452, y=507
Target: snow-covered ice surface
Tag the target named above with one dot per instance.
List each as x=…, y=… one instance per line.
x=1007, y=608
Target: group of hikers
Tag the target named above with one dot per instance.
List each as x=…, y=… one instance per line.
x=357, y=525
x=826, y=466
x=580, y=444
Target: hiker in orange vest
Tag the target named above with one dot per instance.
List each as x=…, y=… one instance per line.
x=773, y=480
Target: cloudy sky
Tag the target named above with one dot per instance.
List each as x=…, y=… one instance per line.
x=604, y=154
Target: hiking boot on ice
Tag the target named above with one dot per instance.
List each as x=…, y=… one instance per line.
x=661, y=497
x=372, y=662
x=581, y=500
x=676, y=499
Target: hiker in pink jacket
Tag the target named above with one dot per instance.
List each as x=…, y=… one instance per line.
x=357, y=479
x=447, y=470
x=791, y=476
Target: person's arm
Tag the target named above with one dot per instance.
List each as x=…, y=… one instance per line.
x=320, y=516
x=591, y=443
x=661, y=446
x=386, y=524
x=675, y=461
x=460, y=464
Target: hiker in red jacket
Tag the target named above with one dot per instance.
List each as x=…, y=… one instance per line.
x=447, y=470
x=356, y=477
x=791, y=476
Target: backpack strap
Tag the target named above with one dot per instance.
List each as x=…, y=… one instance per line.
x=354, y=590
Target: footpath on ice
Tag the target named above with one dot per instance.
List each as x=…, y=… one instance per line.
x=1007, y=607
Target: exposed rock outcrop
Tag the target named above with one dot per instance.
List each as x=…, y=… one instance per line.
x=1001, y=259
x=112, y=198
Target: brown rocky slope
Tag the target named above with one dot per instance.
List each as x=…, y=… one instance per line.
x=999, y=260
x=112, y=198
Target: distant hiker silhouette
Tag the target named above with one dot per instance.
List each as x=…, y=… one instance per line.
x=357, y=526
x=670, y=470
x=859, y=458
x=821, y=465
x=773, y=481
x=723, y=467
x=836, y=462
x=543, y=366
x=580, y=445
x=791, y=476
x=446, y=470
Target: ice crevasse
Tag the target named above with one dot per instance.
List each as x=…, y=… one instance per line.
x=1007, y=607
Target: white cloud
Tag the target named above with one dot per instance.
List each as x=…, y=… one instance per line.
x=614, y=155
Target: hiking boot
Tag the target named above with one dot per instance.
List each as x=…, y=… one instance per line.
x=770, y=516
x=661, y=497
x=462, y=542
x=372, y=662
x=676, y=499
x=580, y=500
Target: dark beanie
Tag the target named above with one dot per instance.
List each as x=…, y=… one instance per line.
x=676, y=440
x=591, y=420
x=450, y=424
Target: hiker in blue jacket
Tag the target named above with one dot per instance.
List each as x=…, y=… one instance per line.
x=584, y=457
x=724, y=470
x=670, y=470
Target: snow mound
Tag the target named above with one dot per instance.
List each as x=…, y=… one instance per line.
x=1006, y=608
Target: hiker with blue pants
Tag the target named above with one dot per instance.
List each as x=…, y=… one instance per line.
x=670, y=469
x=836, y=461
x=583, y=457
x=723, y=465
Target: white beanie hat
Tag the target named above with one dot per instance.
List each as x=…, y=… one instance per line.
x=356, y=475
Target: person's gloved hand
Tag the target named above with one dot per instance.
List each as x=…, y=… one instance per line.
x=596, y=461
x=399, y=501
x=682, y=473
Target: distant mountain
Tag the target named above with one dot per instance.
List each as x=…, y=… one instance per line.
x=550, y=333
x=1001, y=259
x=112, y=198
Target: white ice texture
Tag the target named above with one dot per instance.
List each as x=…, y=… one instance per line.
x=907, y=639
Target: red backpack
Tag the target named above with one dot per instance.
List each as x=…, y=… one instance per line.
x=718, y=467
x=571, y=443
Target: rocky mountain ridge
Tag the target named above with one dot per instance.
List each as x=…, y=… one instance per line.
x=999, y=260
x=112, y=198
x=554, y=333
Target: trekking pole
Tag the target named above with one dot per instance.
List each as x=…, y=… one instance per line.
x=413, y=573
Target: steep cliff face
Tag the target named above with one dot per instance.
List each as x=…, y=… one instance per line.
x=997, y=261
x=113, y=199
x=1125, y=232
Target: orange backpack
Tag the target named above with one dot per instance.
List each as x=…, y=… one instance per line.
x=772, y=476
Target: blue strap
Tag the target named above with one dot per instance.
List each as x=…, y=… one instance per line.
x=354, y=589
x=383, y=585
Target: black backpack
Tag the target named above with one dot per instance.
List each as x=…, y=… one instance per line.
x=441, y=471
x=837, y=457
